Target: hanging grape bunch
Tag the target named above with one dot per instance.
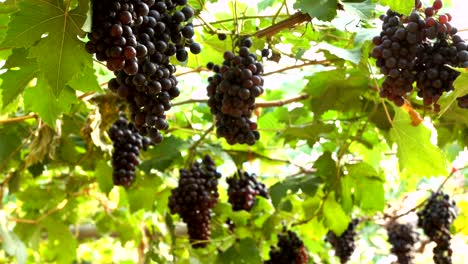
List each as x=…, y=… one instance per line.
x=402, y=238
x=344, y=244
x=194, y=198
x=435, y=219
x=242, y=190
x=232, y=91
x=290, y=250
x=127, y=144
x=136, y=39
x=415, y=48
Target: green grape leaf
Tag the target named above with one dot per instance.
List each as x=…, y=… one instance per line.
x=85, y=81
x=264, y=4
x=416, y=154
x=321, y=9
x=369, y=192
x=103, y=175
x=326, y=168
x=66, y=56
x=400, y=6
x=245, y=251
x=311, y=133
x=163, y=154
x=461, y=89
x=61, y=244
x=353, y=56
x=335, y=218
x=38, y=17
x=15, y=80
x=39, y=99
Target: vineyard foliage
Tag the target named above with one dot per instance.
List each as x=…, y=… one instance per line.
x=330, y=148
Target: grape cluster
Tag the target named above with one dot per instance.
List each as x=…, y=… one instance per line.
x=435, y=219
x=344, y=244
x=127, y=144
x=136, y=38
x=402, y=238
x=416, y=48
x=194, y=198
x=290, y=250
x=242, y=190
x=232, y=91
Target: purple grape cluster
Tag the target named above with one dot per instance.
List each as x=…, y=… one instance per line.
x=232, y=91
x=290, y=250
x=417, y=49
x=127, y=145
x=242, y=190
x=435, y=219
x=402, y=237
x=194, y=198
x=344, y=244
x=136, y=38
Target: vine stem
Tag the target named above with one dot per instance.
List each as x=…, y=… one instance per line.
x=309, y=63
x=264, y=104
x=18, y=119
x=191, y=149
x=293, y=20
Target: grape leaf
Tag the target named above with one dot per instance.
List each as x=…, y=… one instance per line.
x=61, y=243
x=326, y=168
x=66, y=56
x=85, y=81
x=14, y=81
x=335, y=218
x=461, y=89
x=369, y=193
x=400, y=6
x=39, y=99
x=416, y=154
x=245, y=251
x=353, y=55
x=264, y=4
x=104, y=176
x=322, y=9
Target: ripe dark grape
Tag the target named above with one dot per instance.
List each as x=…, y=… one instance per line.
x=194, y=198
x=463, y=101
x=344, y=244
x=222, y=36
x=242, y=190
x=136, y=39
x=232, y=91
x=289, y=250
x=402, y=237
x=127, y=144
x=435, y=219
